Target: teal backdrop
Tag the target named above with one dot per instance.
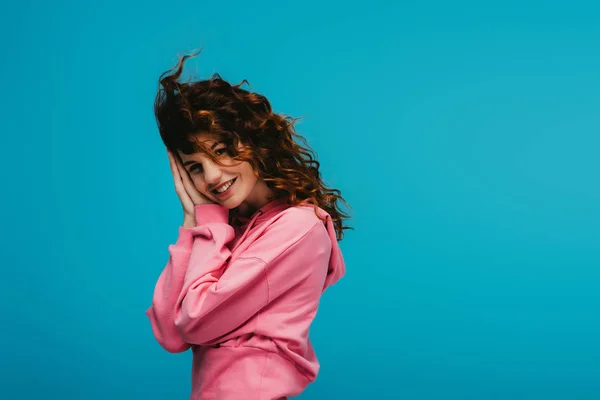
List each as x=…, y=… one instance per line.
x=465, y=136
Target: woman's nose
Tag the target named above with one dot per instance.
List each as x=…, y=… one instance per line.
x=212, y=173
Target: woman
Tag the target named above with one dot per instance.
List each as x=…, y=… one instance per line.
x=257, y=247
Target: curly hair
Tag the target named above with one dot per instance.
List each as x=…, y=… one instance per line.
x=268, y=140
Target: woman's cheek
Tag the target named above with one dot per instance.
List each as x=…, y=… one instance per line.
x=197, y=185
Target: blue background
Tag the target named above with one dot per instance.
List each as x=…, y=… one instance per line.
x=464, y=135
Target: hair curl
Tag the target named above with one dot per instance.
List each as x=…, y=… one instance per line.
x=237, y=116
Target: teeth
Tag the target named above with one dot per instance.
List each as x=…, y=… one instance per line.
x=224, y=187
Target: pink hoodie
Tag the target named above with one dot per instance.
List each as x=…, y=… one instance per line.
x=244, y=298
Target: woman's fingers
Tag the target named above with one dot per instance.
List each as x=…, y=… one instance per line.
x=175, y=172
x=194, y=194
x=184, y=197
x=184, y=178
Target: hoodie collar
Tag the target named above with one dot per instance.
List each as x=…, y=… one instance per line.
x=259, y=214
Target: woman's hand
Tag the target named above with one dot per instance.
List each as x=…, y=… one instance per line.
x=189, y=196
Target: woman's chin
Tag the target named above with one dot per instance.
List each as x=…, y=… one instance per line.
x=243, y=208
x=229, y=203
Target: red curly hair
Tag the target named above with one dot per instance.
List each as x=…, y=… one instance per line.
x=239, y=117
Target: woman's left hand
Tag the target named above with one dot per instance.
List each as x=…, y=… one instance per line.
x=189, y=196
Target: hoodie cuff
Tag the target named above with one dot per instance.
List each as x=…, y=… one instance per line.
x=210, y=213
x=185, y=239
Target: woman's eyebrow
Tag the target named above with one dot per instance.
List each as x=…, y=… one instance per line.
x=212, y=147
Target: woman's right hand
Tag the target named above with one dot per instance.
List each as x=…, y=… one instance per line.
x=189, y=196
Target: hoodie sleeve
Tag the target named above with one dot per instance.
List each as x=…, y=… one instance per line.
x=167, y=288
x=209, y=296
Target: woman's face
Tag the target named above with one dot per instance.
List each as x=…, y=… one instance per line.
x=232, y=184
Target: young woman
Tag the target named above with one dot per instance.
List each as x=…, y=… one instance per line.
x=257, y=247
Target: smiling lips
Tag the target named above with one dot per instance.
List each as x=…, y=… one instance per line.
x=223, y=188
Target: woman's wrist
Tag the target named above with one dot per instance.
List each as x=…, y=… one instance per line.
x=189, y=222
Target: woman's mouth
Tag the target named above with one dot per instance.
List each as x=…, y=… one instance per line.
x=224, y=189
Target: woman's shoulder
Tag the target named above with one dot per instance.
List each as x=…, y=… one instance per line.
x=294, y=226
x=302, y=214
x=298, y=220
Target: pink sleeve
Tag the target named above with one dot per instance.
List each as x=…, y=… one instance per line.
x=211, y=296
x=162, y=311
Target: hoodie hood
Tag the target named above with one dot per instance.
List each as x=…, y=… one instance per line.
x=337, y=266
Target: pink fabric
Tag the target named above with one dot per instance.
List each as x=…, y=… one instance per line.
x=243, y=299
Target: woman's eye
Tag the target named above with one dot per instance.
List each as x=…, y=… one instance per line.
x=195, y=167
x=221, y=151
